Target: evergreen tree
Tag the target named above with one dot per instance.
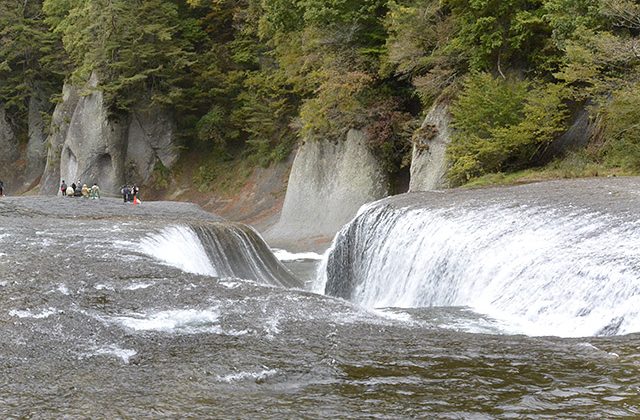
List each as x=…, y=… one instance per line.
x=31, y=58
x=136, y=48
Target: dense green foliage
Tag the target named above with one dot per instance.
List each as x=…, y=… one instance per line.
x=247, y=78
x=31, y=60
x=502, y=125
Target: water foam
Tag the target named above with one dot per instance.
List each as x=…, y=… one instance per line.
x=284, y=255
x=136, y=286
x=27, y=313
x=186, y=321
x=114, y=350
x=243, y=376
x=539, y=271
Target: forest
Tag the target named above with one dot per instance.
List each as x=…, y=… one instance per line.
x=247, y=79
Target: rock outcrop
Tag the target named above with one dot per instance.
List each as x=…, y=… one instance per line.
x=94, y=148
x=60, y=122
x=150, y=138
x=36, y=147
x=577, y=136
x=428, y=163
x=8, y=146
x=90, y=145
x=329, y=182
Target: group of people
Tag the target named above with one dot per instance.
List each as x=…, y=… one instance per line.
x=130, y=193
x=77, y=189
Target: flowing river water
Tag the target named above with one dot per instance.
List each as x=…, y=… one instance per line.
x=507, y=303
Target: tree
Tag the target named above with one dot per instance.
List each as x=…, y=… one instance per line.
x=133, y=46
x=495, y=35
x=502, y=125
x=31, y=58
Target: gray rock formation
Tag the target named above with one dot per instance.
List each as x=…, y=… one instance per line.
x=577, y=136
x=9, y=151
x=428, y=163
x=88, y=144
x=36, y=147
x=60, y=121
x=329, y=182
x=94, y=147
x=149, y=141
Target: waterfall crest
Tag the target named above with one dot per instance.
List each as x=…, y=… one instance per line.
x=564, y=270
x=219, y=249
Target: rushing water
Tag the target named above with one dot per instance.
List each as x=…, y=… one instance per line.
x=112, y=311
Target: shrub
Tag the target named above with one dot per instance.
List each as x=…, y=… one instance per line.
x=502, y=125
x=622, y=129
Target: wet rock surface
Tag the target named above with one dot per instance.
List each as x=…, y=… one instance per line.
x=92, y=327
x=104, y=208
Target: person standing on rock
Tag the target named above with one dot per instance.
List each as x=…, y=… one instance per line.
x=78, y=191
x=85, y=191
x=95, y=191
x=63, y=188
x=125, y=193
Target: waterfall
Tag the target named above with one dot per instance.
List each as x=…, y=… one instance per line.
x=218, y=249
x=565, y=271
x=178, y=246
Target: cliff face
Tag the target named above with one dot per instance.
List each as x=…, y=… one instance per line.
x=36, y=147
x=150, y=141
x=328, y=184
x=60, y=121
x=428, y=163
x=9, y=151
x=94, y=148
x=89, y=145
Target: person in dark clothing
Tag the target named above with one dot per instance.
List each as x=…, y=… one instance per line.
x=1, y=189
x=73, y=186
x=63, y=188
x=78, y=191
x=126, y=191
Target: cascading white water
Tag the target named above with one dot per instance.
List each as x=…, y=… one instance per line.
x=178, y=246
x=543, y=271
x=219, y=250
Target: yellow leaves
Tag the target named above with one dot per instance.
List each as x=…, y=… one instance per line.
x=336, y=106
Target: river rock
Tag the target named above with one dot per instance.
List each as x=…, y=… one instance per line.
x=429, y=163
x=328, y=184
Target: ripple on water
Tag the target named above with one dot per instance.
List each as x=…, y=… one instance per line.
x=247, y=376
x=27, y=313
x=113, y=350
